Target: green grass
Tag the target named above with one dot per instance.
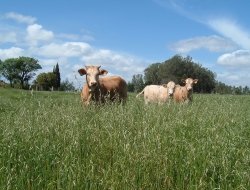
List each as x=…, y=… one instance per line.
x=49, y=141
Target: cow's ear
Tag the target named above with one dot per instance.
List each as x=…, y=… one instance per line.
x=183, y=81
x=103, y=72
x=82, y=72
x=195, y=81
x=165, y=85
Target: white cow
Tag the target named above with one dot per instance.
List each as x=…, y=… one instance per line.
x=158, y=93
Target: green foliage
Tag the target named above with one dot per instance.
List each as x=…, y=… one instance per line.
x=49, y=141
x=131, y=87
x=46, y=81
x=8, y=70
x=58, y=76
x=51, y=80
x=19, y=70
x=152, y=74
x=178, y=68
x=246, y=90
x=137, y=81
x=222, y=88
x=1, y=67
x=67, y=86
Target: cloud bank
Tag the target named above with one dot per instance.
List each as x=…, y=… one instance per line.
x=69, y=50
x=20, y=18
x=212, y=43
x=236, y=59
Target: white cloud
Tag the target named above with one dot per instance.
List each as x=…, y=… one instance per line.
x=232, y=31
x=36, y=33
x=8, y=37
x=48, y=62
x=84, y=54
x=239, y=58
x=74, y=37
x=118, y=61
x=212, y=43
x=20, y=18
x=234, y=78
x=67, y=49
x=10, y=53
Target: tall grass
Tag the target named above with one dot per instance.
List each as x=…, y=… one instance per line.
x=49, y=141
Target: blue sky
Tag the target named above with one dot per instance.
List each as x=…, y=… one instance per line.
x=125, y=36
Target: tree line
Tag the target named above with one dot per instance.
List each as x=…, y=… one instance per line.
x=19, y=71
x=178, y=68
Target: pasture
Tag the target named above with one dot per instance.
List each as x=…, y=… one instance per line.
x=48, y=141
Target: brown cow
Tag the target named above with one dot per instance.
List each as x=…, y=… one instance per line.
x=102, y=89
x=158, y=93
x=184, y=93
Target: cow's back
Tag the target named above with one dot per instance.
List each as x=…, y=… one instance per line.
x=113, y=85
x=155, y=93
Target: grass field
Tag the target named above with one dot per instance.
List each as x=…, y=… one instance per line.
x=48, y=141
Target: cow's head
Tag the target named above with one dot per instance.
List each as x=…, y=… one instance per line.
x=92, y=75
x=189, y=82
x=170, y=87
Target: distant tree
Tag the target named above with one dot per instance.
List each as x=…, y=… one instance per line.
x=131, y=87
x=8, y=70
x=151, y=74
x=58, y=76
x=67, y=86
x=238, y=90
x=20, y=70
x=46, y=80
x=222, y=88
x=246, y=90
x=1, y=67
x=137, y=81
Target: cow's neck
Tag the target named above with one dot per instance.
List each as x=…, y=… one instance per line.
x=96, y=94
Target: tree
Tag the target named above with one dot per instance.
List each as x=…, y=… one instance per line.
x=222, y=88
x=20, y=70
x=58, y=77
x=131, y=87
x=1, y=68
x=238, y=90
x=246, y=90
x=151, y=74
x=8, y=70
x=45, y=81
x=137, y=81
x=67, y=86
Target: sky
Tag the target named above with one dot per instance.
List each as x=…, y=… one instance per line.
x=126, y=36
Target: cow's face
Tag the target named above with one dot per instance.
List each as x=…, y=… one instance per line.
x=170, y=86
x=92, y=75
x=189, y=82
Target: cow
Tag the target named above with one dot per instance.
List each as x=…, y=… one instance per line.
x=101, y=90
x=158, y=93
x=184, y=93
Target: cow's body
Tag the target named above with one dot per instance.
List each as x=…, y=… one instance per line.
x=184, y=93
x=157, y=93
x=104, y=89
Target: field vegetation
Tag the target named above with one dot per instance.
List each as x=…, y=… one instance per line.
x=49, y=141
